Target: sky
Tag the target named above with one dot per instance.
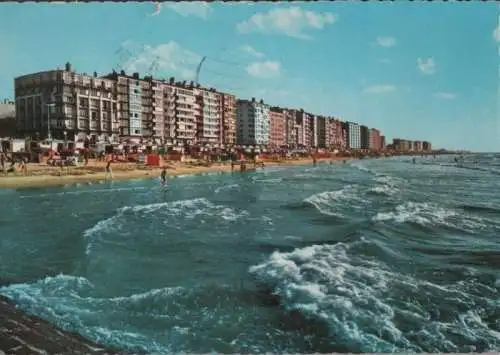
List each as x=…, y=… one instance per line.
x=423, y=71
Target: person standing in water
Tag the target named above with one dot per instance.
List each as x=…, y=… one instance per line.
x=109, y=172
x=163, y=177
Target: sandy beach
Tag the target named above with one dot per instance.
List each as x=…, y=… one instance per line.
x=39, y=175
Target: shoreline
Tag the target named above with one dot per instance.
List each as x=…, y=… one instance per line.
x=51, y=180
x=23, y=333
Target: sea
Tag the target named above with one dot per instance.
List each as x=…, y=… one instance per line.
x=375, y=255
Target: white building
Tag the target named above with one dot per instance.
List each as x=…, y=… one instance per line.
x=7, y=109
x=354, y=135
x=252, y=122
x=209, y=119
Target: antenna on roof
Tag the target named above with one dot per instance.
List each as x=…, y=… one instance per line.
x=153, y=68
x=123, y=55
x=197, y=77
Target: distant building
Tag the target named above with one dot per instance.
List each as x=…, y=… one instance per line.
x=401, y=145
x=382, y=142
x=426, y=146
x=228, y=111
x=322, y=132
x=7, y=109
x=375, y=139
x=208, y=122
x=365, y=137
x=353, y=132
x=252, y=122
x=277, y=128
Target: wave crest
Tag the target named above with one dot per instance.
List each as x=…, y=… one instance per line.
x=370, y=308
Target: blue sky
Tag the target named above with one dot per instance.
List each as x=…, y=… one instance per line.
x=414, y=70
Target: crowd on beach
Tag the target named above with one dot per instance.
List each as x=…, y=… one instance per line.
x=55, y=168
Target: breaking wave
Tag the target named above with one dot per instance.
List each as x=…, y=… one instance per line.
x=368, y=307
x=172, y=214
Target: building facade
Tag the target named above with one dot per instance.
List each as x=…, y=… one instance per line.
x=277, y=128
x=252, y=122
x=208, y=117
x=365, y=137
x=426, y=146
x=228, y=122
x=7, y=109
x=322, y=132
x=353, y=133
x=61, y=103
x=375, y=143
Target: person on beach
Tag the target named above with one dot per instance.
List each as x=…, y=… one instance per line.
x=109, y=172
x=163, y=177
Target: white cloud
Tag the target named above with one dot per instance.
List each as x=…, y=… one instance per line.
x=379, y=89
x=386, y=41
x=252, y=51
x=496, y=32
x=426, y=66
x=169, y=58
x=265, y=70
x=199, y=9
x=445, y=95
x=292, y=21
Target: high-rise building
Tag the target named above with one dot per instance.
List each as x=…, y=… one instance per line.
x=228, y=111
x=208, y=117
x=353, y=132
x=365, y=137
x=292, y=129
x=375, y=143
x=382, y=142
x=323, y=132
x=277, y=124
x=426, y=146
x=61, y=103
x=252, y=122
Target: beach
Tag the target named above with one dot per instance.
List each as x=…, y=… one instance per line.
x=46, y=176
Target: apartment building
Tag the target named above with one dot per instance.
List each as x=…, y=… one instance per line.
x=252, y=122
x=365, y=137
x=417, y=146
x=401, y=145
x=208, y=117
x=323, y=132
x=313, y=129
x=228, y=122
x=383, y=143
x=277, y=128
x=426, y=146
x=375, y=143
x=353, y=135
x=291, y=128
x=7, y=108
x=61, y=103
x=336, y=134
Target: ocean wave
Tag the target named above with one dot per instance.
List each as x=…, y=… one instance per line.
x=432, y=214
x=201, y=319
x=368, y=307
x=80, y=192
x=172, y=213
x=384, y=190
x=225, y=187
x=339, y=202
